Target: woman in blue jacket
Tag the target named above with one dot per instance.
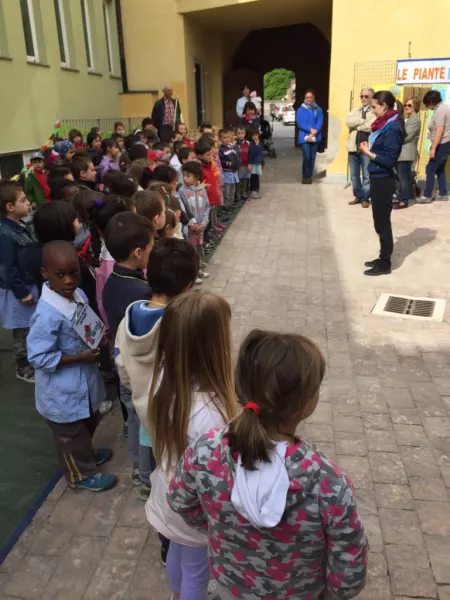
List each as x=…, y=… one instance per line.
x=310, y=122
x=383, y=149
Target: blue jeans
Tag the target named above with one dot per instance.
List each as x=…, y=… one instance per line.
x=404, y=169
x=359, y=162
x=436, y=166
x=141, y=456
x=188, y=571
x=309, y=158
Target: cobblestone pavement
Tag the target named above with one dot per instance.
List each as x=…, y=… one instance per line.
x=293, y=261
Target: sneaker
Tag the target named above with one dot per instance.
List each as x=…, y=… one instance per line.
x=379, y=269
x=102, y=455
x=442, y=198
x=136, y=477
x=371, y=263
x=203, y=274
x=25, y=374
x=164, y=551
x=105, y=407
x=144, y=491
x=424, y=200
x=256, y=195
x=212, y=591
x=99, y=482
x=198, y=281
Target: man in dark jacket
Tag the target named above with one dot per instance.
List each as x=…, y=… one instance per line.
x=166, y=113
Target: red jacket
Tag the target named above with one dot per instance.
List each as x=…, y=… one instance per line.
x=244, y=147
x=210, y=178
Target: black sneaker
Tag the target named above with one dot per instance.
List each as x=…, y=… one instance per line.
x=371, y=263
x=164, y=551
x=379, y=269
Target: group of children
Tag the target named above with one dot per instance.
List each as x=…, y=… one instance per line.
x=98, y=280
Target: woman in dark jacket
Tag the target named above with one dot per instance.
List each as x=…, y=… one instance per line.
x=383, y=149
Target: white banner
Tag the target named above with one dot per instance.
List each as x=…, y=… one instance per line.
x=427, y=70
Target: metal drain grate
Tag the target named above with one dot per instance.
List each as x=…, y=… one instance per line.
x=429, y=309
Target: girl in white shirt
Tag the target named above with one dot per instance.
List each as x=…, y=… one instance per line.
x=191, y=393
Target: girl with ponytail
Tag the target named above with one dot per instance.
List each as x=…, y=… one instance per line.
x=281, y=517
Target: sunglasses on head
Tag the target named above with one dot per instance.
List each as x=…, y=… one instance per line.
x=364, y=97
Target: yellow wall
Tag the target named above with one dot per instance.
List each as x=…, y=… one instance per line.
x=33, y=97
x=394, y=26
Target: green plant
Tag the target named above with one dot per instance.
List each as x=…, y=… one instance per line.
x=276, y=83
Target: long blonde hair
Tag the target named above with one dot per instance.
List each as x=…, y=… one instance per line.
x=194, y=349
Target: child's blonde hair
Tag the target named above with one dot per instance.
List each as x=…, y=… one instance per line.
x=194, y=349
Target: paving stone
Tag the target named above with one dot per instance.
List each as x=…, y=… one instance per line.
x=133, y=514
x=52, y=539
x=357, y=468
x=150, y=574
x=444, y=592
x=418, y=461
x=394, y=496
x=410, y=571
x=376, y=421
x=372, y=528
x=400, y=527
x=410, y=435
x=398, y=398
x=428, y=488
x=127, y=542
x=405, y=416
x=350, y=443
x=372, y=402
x=102, y=516
x=387, y=467
x=437, y=427
x=111, y=579
x=76, y=567
x=439, y=552
x=317, y=432
x=366, y=502
x=381, y=441
x=434, y=517
x=72, y=507
x=348, y=423
x=32, y=577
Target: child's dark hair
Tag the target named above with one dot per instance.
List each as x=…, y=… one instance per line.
x=59, y=187
x=73, y=133
x=165, y=173
x=177, y=126
x=148, y=203
x=194, y=168
x=146, y=121
x=91, y=137
x=117, y=136
x=184, y=152
x=137, y=168
x=222, y=131
x=202, y=147
x=171, y=221
x=125, y=232
x=83, y=152
x=277, y=378
x=99, y=215
x=118, y=124
x=78, y=164
x=119, y=183
x=172, y=267
x=58, y=173
x=177, y=146
x=161, y=146
x=173, y=203
x=249, y=106
x=146, y=178
x=107, y=144
x=54, y=221
x=137, y=151
x=152, y=137
x=130, y=140
x=8, y=195
x=205, y=125
x=161, y=188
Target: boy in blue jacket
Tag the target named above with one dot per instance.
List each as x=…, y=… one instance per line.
x=69, y=386
x=255, y=164
x=230, y=162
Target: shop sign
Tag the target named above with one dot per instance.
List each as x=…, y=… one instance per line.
x=424, y=71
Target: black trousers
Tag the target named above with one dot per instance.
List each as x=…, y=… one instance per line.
x=74, y=444
x=254, y=183
x=381, y=191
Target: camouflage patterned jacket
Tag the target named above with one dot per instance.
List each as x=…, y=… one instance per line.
x=319, y=546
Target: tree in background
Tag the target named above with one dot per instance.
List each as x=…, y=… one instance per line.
x=276, y=83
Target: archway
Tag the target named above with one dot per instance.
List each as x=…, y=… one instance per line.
x=301, y=48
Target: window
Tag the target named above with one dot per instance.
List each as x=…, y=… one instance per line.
x=87, y=34
x=108, y=36
x=62, y=33
x=29, y=30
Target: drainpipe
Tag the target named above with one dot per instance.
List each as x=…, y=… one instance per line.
x=123, y=62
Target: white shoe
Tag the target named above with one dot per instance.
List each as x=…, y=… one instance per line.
x=256, y=195
x=198, y=281
x=424, y=200
x=105, y=407
x=212, y=590
x=203, y=274
x=442, y=198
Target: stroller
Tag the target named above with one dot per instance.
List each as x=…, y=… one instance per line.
x=266, y=138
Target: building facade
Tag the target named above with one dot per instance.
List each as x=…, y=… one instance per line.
x=59, y=59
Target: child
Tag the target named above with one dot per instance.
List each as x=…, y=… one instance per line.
x=191, y=393
x=84, y=172
x=76, y=137
x=64, y=189
x=94, y=144
x=243, y=147
x=174, y=205
x=195, y=198
x=129, y=239
x=119, y=184
x=66, y=150
x=120, y=141
x=257, y=101
x=18, y=290
x=206, y=127
x=137, y=169
x=230, y=165
x=255, y=164
x=250, y=119
x=61, y=172
x=185, y=154
x=170, y=228
x=110, y=157
x=69, y=387
x=172, y=269
x=36, y=188
x=281, y=518
x=203, y=150
x=175, y=160
x=182, y=129
x=150, y=204
x=119, y=128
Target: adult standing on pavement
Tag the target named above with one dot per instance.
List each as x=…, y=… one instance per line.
x=240, y=104
x=439, y=134
x=310, y=121
x=166, y=113
x=408, y=155
x=359, y=122
x=383, y=150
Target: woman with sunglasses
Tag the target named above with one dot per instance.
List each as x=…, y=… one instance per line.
x=408, y=155
x=383, y=150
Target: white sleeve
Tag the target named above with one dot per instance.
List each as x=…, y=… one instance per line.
x=204, y=420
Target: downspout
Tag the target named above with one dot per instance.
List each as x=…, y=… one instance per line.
x=123, y=62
